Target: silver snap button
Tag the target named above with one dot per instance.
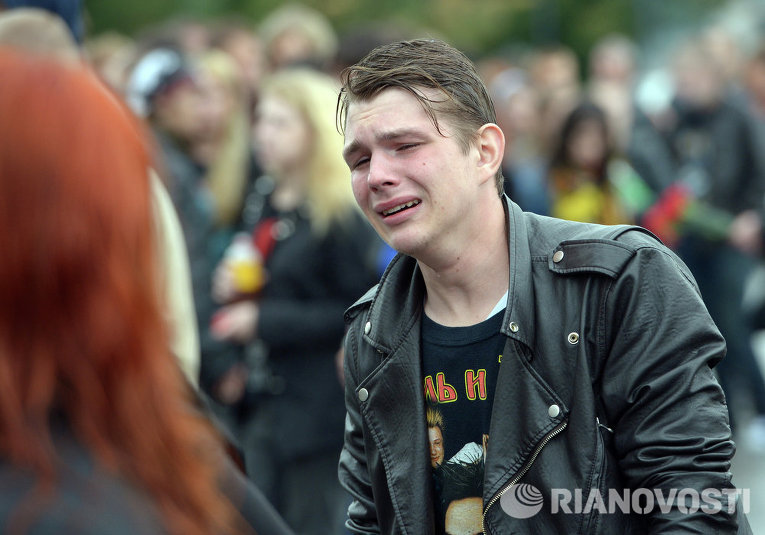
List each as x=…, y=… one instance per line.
x=363, y=394
x=367, y=327
x=558, y=256
x=573, y=338
x=513, y=327
x=553, y=411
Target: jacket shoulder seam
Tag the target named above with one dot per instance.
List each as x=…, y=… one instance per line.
x=596, y=255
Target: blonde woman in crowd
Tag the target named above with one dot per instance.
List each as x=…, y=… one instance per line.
x=223, y=145
x=318, y=255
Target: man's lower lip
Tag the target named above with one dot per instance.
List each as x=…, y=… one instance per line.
x=400, y=212
x=395, y=213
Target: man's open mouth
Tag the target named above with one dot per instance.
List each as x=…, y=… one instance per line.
x=400, y=207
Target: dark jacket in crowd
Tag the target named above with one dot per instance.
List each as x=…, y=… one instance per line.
x=713, y=151
x=310, y=281
x=205, y=243
x=605, y=383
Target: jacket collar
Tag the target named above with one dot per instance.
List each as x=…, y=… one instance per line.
x=399, y=297
x=519, y=321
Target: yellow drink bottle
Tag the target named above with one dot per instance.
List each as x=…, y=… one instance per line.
x=245, y=264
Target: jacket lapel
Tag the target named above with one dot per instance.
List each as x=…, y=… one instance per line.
x=398, y=422
x=521, y=415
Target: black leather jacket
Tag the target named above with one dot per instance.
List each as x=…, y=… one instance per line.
x=605, y=383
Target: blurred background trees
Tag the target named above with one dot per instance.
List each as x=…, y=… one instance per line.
x=479, y=28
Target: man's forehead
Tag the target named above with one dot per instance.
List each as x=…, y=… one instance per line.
x=389, y=98
x=398, y=110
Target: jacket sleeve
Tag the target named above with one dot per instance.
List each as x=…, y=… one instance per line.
x=318, y=321
x=353, y=471
x=659, y=393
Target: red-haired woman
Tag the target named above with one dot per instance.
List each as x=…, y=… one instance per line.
x=97, y=428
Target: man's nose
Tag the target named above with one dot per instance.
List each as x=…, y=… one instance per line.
x=381, y=173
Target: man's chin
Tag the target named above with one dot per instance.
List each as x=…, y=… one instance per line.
x=405, y=245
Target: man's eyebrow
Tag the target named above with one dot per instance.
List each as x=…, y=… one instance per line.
x=403, y=132
x=350, y=149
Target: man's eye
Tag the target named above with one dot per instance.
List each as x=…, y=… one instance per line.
x=407, y=146
x=359, y=163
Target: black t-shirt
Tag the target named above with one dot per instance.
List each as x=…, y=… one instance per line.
x=460, y=366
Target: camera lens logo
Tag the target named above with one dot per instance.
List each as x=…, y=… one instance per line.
x=522, y=501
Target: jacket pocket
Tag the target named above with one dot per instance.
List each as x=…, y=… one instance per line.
x=603, y=441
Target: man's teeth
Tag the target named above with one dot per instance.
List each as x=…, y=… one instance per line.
x=400, y=207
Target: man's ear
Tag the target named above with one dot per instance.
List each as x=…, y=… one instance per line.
x=491, y=149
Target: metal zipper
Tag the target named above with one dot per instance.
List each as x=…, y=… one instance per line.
x=526, y=467
x=597, y=420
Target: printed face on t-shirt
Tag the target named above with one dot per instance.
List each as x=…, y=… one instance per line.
x=436, y=439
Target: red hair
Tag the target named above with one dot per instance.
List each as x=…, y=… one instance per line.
x=81, y=329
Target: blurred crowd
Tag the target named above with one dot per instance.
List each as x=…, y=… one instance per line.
x=245, y=143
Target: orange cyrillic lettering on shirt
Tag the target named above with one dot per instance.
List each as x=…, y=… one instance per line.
x=441, y=391
x=475, y=384
x=446, y=392
x=430, y=389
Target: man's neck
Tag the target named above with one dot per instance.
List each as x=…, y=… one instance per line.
x=464, y=286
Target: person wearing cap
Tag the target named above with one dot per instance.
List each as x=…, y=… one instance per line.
x=166, y=89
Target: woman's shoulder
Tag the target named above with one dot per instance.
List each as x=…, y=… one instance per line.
x=83, y=498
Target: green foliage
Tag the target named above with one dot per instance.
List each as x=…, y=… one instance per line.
x=479, y=27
